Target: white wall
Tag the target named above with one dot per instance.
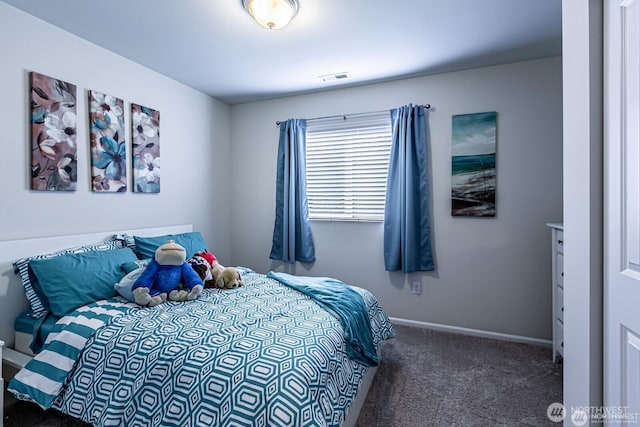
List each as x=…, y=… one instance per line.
x=492, y=274
x=194, y=140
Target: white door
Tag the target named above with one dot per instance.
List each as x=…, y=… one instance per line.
x=622, y=207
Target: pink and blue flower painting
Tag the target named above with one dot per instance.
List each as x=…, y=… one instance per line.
x=108, y=146
x=54, y=165
x=473, y=165
x=145, y=123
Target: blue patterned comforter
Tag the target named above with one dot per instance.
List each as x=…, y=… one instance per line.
x=261, y=355
x=346, y=305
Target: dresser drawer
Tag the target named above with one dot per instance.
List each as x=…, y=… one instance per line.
x=560, y=303
x=559, y=270
x=559, y=342
x=559, y=241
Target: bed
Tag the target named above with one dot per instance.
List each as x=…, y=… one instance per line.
x=270, y=353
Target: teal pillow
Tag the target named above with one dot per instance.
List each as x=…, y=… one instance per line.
x=73, y=280
x=35, y=295
x=192, y=242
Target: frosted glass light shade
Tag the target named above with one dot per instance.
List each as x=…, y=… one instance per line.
x=272, y=14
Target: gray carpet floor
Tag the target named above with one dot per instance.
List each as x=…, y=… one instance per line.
x=426, y=378
x=430, y=378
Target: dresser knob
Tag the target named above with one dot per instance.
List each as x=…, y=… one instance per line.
x=560, y=242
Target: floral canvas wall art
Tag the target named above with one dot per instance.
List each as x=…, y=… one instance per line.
x=53, y=134
x=473, y=165
x=145, y=123
x=108, y=146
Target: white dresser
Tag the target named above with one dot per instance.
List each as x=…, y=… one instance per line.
x=557, y=288
x=1, y=384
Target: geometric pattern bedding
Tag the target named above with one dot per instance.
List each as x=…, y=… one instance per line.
x=42, y=378
x=260, y=355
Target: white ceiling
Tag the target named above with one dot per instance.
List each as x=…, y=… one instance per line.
x=215, y=47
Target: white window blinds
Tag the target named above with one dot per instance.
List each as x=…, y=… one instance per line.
x=347, y=162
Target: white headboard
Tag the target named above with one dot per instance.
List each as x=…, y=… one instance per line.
x=12, y=298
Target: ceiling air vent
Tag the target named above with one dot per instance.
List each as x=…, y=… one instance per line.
x=334, y=77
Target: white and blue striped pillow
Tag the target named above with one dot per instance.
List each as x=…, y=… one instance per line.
x=126, y=240
x=36, y=297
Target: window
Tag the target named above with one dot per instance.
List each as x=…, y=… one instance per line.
x=347, y=162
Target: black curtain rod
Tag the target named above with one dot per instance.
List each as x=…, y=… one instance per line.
x=344, y=116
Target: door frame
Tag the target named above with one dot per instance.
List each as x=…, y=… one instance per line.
x=582, y=38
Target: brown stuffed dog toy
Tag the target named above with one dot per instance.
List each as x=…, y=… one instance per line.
x=214, y=274
x=229, y=278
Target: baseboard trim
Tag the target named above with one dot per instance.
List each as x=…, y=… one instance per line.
x=469, y=331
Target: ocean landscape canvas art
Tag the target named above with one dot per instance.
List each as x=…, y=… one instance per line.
x=473, y=165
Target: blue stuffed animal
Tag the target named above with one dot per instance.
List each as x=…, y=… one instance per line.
x=167, y=276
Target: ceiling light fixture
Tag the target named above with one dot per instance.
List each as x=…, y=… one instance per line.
x=271, y=14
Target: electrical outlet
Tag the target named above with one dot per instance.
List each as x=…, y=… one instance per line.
x=416, y=288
